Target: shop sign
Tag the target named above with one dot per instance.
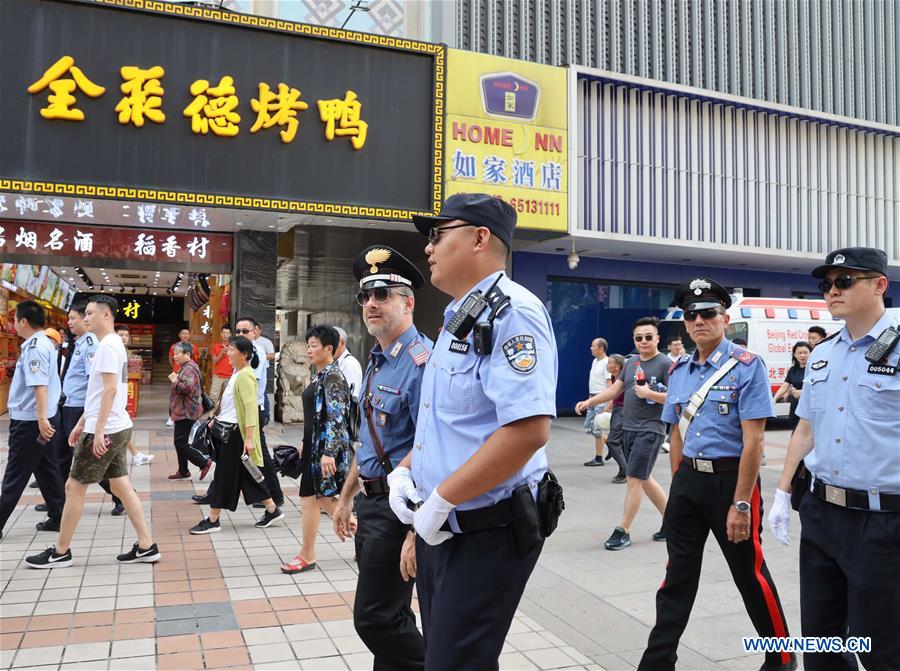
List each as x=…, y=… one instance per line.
x=279, y=117
x=507, y=135
x=74, y=240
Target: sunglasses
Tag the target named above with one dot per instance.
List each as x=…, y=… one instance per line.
x=435, y=233
x=706, y=313
x=244, y=331
x=379, y=294
x=843, y=282
x=648, y=338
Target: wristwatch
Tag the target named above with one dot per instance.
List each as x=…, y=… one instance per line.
x=742, y=506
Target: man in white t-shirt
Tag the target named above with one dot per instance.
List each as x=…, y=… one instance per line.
x=100, y=440
x=676, y=348
x=348, y=363
x=597, y=381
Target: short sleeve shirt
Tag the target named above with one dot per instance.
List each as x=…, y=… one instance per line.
x=110, y=357
x=599, y=376
x=75, y=383
x=36, y=367
x=639, y=414
x=223, y=368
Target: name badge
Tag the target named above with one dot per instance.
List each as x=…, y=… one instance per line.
x=723, y=408
x=382, y=419
x=880, y=369
x=818, y=365
x=460, y=346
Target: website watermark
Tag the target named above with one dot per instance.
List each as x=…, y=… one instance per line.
x=804, y=644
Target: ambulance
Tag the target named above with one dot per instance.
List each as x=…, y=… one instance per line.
x=770, y=327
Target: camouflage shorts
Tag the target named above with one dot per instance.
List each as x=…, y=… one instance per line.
x=88, y=469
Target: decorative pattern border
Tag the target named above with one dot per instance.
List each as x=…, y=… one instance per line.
x=438, y=51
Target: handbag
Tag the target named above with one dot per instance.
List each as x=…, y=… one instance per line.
x=200, y=444
x=207, y=403
x=602, y=420
x=221, y=434
x=287, y=461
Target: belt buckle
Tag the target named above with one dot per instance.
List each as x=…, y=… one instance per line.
x=704, y=465
x=362, y=486
x=836, y=495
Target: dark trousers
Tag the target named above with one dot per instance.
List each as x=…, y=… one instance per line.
x=850, y=579
x=68, y=419
x=268, y=467
x=615, y=442
x=469, y=588
x=382, y=614
x=699, y=503
x=182, y=430
x=26, y=457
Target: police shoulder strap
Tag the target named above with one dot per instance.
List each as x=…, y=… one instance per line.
x=699, y=396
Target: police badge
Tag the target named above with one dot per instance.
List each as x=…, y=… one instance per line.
x=521, y=353
x=698, y=285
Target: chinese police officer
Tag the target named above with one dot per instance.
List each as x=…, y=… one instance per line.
x=718, y=401
x=33, y=420
x=849, y=438
x=488, y=396
x=385, y=547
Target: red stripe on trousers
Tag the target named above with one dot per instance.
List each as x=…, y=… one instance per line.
x=774, y=614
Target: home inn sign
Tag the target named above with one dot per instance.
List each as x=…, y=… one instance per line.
x=150, y=100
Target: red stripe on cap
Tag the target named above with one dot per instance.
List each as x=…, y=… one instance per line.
x=778, y=624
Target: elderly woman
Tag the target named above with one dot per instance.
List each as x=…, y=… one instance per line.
x=325, y=454
x=185, y=406
x=237, y=425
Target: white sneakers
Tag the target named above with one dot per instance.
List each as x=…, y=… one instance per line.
x=140, y=459
x=169, y=422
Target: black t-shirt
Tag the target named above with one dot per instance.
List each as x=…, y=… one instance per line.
x=794, y=378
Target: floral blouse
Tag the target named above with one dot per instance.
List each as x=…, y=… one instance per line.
x=330, y=433
x=185, y=394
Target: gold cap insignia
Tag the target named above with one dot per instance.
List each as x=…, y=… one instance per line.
x=376, y=256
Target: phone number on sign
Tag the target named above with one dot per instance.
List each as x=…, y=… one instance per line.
x=531, y=206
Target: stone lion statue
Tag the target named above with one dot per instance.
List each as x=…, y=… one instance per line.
x=293, y=378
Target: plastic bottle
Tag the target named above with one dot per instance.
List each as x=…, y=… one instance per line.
x=652, y=388
x=252, y=468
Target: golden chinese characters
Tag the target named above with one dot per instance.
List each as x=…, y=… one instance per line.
x=278, y=109
x=143, y=95
x=213, y=108
x=61, y=101
x=347, y=114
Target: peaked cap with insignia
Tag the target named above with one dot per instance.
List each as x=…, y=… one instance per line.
x=382, y=266
x=701, y=293
x=856, y=258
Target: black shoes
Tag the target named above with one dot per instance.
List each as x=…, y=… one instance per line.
x=269, y=518
x=50, y=559
x=596, y=461
x=619, y=540
x=619, y=479
x=41, y=507
x=660, y=536
x=260, y=506
x=202, y=499
x=206, y=527
x=118, y=509
x=33, y=484
x=47, y=525
x=139, y=556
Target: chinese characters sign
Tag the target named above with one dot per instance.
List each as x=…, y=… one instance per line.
x=198, y=247
x=281, y=118
x=507, y=135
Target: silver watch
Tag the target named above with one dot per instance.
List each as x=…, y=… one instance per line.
x=742, y=506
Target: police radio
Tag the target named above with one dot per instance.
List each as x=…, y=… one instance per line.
x=883, y=346
x=467, y=317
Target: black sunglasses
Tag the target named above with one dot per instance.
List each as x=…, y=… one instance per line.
x=641, y=338
x=843, y=282
x=380, y=294
x=706, y=313
x=435, y=233
x=244, y=331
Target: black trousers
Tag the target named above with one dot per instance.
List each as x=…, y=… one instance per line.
x=469, y=588
x=850, y=579
x=181, y=433
x=382, y=614
x=231, y=478
x=69, y=417
x=268, y=467
x=26, y=457
x=699, y=503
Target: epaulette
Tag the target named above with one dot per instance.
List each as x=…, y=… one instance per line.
x=418, y=353
x=88, y=339
x=745, y=356
x=827, y=338
x=33, y=344
x=684, y=358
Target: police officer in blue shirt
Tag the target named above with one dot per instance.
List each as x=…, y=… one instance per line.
x=849, y=438
x=74, y=385
x=385, y=547
x=33, y=420
x=488, y=396
x=718, y=402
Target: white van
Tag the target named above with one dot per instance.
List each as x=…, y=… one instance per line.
x=770, y=326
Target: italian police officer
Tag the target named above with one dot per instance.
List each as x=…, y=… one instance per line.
x=718, y=401
x=385, y=547
x=478, y=461
x=33, y=420
x=849, y=439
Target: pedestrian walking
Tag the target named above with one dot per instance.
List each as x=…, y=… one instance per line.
x=478, y=460
x=100, y=439
x=848, y=437
x=33, y=420
x=615, y=441
x=792, y=386
x=348, y=364
x=385, y=547
x=598, y=380
x=718, y=400
x=185, y=408
x=139, y=458
x=238, y=450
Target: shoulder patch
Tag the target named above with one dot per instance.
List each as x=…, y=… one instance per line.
x=521, y=353
x=819, y=365
x=680, y=360
x=745, y=356
x=418, y=353
x=90, y=340
x=34, y=365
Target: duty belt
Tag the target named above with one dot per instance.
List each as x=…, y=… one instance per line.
x=713, y=465
x=479, y=519
x=375, y=486
x=855, y=498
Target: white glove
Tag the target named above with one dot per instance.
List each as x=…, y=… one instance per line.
x=429, y=519
x=403, y=490
x=780, y=517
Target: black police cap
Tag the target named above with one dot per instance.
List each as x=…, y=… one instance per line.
x=382, y=266
x=474, y=208
x=855, y=258
x=701, y=293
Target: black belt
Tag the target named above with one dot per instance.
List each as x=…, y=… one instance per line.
x=713, y=465
x=853, y=498
x=479, y=519
x=375, y=486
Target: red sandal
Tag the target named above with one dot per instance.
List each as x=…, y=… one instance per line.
x=297, y=565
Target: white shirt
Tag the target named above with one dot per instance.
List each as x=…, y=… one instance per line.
x=674, y=357
x=599, y=376
x=352, y=370
x=261, y=371
x=267, y=344
x=227, y=411
x=110, y=357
